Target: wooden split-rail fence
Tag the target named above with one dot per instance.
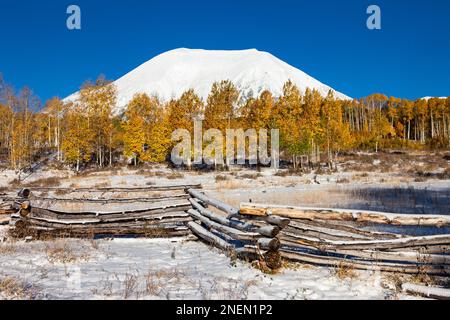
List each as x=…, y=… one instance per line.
x=158, y=211
x=361, y=239
x=327, y=237
x=155, y=211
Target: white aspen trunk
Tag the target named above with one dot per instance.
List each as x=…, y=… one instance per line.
x=432, y=125
x=110, y=150
x=422, y=137
x=58, y=155
x=49, y=132
x=409, y=129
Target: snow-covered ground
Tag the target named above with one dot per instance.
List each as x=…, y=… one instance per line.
x=166, y=269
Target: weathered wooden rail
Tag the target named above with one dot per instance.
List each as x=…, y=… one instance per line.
x=427, y=291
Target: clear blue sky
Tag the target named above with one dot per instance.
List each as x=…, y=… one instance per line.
x=409, y=57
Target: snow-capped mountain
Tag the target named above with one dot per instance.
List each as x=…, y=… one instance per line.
x=170, y=74
x=428, y=98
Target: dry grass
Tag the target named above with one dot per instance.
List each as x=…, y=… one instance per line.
x=231, y=184
x=282, y=173
x=291, y=172
x=102, y=185
x=7, y=249
x=250, y=176
x=286, y=264
x=153, y=285
x=130, y=284
x=221, y=177
x=174, y=175
x=344, y=272
x=363, y=175
x=155, y=281
x=60, y=192
x=233, y=290
x=423, y=277
x=45, y=182
x=11, y=288
x=61, y=252
x=148, y=172
x=94, y=243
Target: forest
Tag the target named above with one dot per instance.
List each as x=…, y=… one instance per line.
x=87, y=132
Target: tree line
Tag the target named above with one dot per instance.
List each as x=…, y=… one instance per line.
x=87, y=131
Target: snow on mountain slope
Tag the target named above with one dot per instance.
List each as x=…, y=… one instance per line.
x=170, y=74
x=428, y=98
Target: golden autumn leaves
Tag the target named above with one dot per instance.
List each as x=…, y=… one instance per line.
x=87, y=131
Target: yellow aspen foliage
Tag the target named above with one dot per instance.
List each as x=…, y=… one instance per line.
x=97, y=99
x=134, y=135
x=221, y=105
x=184, y=111
x=78, y=134
x=146, y=135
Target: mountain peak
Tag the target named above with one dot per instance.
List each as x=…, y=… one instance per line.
x=171, y=73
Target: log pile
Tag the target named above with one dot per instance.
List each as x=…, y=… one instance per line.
x=350, y=238
x=427, y=291
x=5, y=212
x=160, y=215
x=247, y=238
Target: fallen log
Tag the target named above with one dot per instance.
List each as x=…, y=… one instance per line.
x=7, y=211
x=433, y=249
x=344, y=215
x=281, y=222
x=24, y=227
x=244, y=252
x=426, y=291
x=348, y=226
x=263, y=243
x=408, y=256
x=4, y=220
x=323, y=233
x=100, y=221
x=166, y=224
x=41, y=212
x=231, y=211
x=269, y=244
x=110, y=200
x=268, y=231
x=24, y=193
x=365, y=265
x=234, y=233
x=373, y=255
x=119, y=189
x=41, y=232
x=210, y=237
x=324, y=244
x=427, y=249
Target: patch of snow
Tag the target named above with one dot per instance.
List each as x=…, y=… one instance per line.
x=168, y=269
x=428, y=98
